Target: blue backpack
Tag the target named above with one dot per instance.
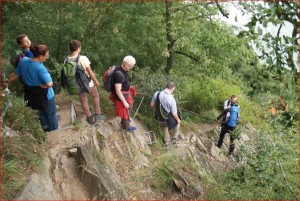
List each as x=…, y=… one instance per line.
x=234, y=115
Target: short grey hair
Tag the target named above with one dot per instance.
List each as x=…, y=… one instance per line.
x=129, y=60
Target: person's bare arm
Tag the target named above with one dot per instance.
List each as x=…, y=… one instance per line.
x=92, y=75
x=175, y=115
x=118, y=87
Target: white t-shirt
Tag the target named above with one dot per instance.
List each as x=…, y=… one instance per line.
x=85, y=63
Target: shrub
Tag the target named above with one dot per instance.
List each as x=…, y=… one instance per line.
x=21, y=153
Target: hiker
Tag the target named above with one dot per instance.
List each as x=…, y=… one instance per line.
x=97, y=116
x=231, y=120
x=227, y=105
x=122, y=93
x=166, y=112
x=24, y=51
x=24, y=43
x=38, y=83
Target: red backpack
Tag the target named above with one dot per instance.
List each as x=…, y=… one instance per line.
x=107, y=78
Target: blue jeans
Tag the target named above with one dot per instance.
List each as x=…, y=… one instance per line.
x=49, y=119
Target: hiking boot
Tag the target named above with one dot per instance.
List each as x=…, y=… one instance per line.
x=167, y=145
x=131, y=128
x=216, y=144
x=90, y=119
x=99, y=117
x=174, y=140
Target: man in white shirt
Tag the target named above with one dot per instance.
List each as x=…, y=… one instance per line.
x=75, y=48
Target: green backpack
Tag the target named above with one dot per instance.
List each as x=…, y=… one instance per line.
x=73, y=77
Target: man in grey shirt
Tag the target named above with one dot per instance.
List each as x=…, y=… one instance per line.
x=167, y=103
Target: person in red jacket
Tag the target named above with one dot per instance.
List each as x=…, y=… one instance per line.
x=122, y=92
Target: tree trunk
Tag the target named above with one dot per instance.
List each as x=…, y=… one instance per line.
x=170, y=39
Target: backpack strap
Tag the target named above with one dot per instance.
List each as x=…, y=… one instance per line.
x=158, y=104
x=77, y=58
x=228, y=102
x=119, y=72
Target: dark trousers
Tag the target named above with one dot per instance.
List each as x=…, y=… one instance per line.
x=226, y=129
x=125, y=123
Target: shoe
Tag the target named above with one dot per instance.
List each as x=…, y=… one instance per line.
x=131, y=128
x=174, y=140
x=90, y=119
x=167, y=145
x=99, y=117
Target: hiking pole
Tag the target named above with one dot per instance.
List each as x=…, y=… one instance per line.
x=138, y=108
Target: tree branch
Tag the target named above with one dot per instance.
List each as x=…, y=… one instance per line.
x=222, y=11
x=187, y=55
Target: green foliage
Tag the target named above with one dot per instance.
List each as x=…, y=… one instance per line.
x=25, y=120
x=268, y=168
x=12, y=178
x=21, y=154
x=210, y=64
x=148, y=82
x=278, y=50
x=168, y=167
x=206, y=94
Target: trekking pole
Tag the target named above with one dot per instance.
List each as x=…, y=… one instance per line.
x=138, y=108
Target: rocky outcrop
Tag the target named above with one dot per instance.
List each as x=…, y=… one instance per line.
x=100, y=182
x=100, y=162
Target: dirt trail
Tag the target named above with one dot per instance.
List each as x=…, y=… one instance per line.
x=64, y=170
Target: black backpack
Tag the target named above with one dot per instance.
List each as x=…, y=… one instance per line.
x=160, y=113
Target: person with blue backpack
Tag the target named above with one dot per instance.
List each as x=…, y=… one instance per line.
x=227, y=105
x=232, y=115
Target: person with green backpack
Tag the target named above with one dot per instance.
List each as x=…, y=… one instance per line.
x=81, y=79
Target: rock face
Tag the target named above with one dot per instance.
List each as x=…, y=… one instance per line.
x=100, y=182
x=72, y=172
x=101, y=162
x=39, y=187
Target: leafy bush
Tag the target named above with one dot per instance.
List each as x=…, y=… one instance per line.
x=206, y=94
x=268, y=169
x=21, y=153
x=22, y=118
